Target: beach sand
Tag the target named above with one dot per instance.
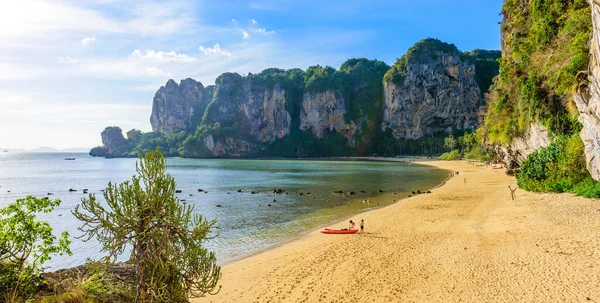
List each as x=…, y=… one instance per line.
x=461, y=243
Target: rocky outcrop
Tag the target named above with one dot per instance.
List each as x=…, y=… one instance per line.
x=346, y=109
x=253, y=110
x=228, y=146
x=174, y=105
x=519, y=148
x=433, y=90
x=324, y=112
x=587, y=99
x=115, y=144
x=98, y=151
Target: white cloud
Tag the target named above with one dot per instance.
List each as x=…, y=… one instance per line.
x=162, y=56
x=264, y=31
x=38, y=18
x=215, y=50
x=157, y=72
x=233, y=20
x=13, y=71
x=88, y=40
x=67, y=60
x=254, y=22
x=245, y=34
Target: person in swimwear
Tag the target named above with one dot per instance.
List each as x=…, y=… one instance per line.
x=351, y=225
x=362, y=226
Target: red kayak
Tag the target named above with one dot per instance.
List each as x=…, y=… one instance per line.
x=339, y=231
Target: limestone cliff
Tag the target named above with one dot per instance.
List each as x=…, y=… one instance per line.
x=174, y=105
x=520, y=147
x=429, y=90
x=587, y=99
x=228, y=146
x=253, y=110
x=533, y=101
x=115, y=144
x=324, y=112
x=319, y=112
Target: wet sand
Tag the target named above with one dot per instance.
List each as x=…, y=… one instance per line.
x=464, y=242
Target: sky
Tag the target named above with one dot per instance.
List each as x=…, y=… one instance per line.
x=68, y=69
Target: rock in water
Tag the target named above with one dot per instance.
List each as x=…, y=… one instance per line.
x=115, y=144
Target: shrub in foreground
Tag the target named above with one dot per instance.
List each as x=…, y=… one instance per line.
x=26, y=243
x=166, y=237
x=560, y=167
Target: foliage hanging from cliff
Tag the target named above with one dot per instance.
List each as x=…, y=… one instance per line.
x=166, y=237
x=486, y=67
x=560, y=167
x=545, y=45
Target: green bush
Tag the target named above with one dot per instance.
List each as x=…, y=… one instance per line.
x=560, y=167
x=451, y=156
x=26, y=243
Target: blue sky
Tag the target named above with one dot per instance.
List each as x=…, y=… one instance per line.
x=70, y=68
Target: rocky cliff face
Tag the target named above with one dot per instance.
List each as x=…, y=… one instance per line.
x=254, y=111
x=175, y=104
x=113, y=141
x=587, y=99
x=324, y=112
x=228, y=146
x=519, y=148
x=342, y=112
x=434, y=90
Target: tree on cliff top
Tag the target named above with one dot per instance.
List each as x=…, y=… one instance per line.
x=166, y=237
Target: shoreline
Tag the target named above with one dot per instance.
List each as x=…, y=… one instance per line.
x=337, y=221
x=459, y=243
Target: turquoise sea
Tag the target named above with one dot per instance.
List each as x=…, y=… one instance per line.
x=247, y=223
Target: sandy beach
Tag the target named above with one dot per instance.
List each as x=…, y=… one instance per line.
x=464, y=242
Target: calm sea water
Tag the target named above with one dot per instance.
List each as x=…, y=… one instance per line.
x=246, y=223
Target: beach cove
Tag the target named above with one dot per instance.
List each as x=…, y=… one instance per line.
x=467, y=241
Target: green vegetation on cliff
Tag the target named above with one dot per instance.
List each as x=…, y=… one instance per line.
x=545, y=45
x=422, y=51
x=486, y=61
x=487, y=66
x=231, y=113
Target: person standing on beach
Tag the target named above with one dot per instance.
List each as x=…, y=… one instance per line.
x=362, y=226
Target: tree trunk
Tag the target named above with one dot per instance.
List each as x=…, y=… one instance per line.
x=140, y=268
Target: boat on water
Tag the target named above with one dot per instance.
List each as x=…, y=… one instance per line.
x=5, y=151
x=69, y=158
x=343, y=231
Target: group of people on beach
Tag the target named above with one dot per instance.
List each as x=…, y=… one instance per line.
x=362, y=226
